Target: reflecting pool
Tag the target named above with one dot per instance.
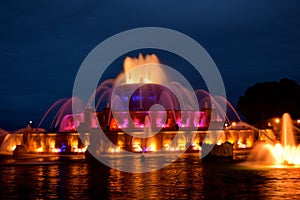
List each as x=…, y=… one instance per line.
x=186, y=178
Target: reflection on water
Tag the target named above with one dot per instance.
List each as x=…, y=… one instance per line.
x=43, y=181
x=187, y=178
x=284, y=183
x=175, y=181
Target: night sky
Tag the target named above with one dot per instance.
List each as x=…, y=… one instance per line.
x=43, y=44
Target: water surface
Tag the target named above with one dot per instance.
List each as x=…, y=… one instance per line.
x=187, y=178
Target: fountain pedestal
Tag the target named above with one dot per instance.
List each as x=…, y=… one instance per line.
x=20, y=150
x=217, y=152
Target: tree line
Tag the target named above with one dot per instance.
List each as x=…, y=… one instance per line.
x=267, y=100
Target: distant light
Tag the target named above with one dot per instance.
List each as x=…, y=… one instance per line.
x=226, y=124
x=298, y=121
x=277, y=120
x=233, y=123
x=30, y=122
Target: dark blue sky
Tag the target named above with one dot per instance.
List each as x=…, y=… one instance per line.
x=44, y=42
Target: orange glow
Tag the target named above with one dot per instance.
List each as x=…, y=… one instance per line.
x=41, y=149
x=240, y=143
x=113, y=124
x=52, y=144
x=181, y=146
x=284, y=154
x=167, y=147
x=208, y=141
x=114, y=150
x=230, y=141
x=137, y=147
x=248, y=143
x=55, y=150
x=277, y=120
x=130, y=63
x=13, y=147
x=152, y=146
x=195, y=146
x=120, y=143
x=74, y=146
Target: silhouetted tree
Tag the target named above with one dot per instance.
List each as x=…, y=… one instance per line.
x=270, y=99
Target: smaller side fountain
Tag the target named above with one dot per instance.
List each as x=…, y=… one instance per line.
x=280, y=152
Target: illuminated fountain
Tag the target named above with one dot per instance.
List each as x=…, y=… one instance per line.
x=283, y=152
x=135, y=103
x=139, y=105
x=8, y=141
x=29, y=140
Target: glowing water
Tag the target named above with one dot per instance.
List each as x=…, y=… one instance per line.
x=58, y=102
x=205, y=100
x=169, y=115
x=9, y=143
x=287, y=136
x=147, y=74
x=284, y=152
